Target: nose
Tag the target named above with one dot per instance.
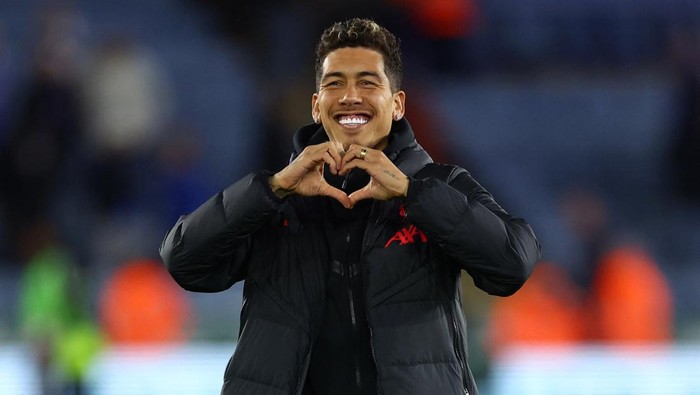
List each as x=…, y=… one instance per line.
x=351, y=96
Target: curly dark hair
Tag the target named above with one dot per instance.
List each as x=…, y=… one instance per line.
x=363, y=33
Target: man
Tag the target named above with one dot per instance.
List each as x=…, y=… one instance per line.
x=351, y=254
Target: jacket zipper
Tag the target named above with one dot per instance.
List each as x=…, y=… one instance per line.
x=304, y=369
x=353, y=315
x=353, y=319
x=462, y=365
x=374, y=358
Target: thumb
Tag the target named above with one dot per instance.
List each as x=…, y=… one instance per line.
x=360, y=194
x=338, y=195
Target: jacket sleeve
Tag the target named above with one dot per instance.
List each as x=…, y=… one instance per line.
x=497, y=250
x=207, y=250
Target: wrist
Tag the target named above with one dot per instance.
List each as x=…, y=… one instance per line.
x=276, y=188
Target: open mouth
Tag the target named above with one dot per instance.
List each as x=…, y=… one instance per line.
x=353, y=120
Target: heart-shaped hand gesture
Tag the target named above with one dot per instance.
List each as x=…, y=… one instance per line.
x=304, y=176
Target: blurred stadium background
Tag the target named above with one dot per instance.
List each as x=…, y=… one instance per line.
x=582, y=116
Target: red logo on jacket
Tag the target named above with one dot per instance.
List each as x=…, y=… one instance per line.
x=407, y=236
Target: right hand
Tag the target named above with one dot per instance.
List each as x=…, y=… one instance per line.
x=304, y=176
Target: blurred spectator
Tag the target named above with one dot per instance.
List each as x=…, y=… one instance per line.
x=54, y=319
x=47, y=130
x=586, y=216
x=628, y=296
x=615, y=294
x=128, y=102
x=630, y=299
x=629, y=302
x=548, y=310
x=141, y=304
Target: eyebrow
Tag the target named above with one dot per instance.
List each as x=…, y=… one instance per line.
x=340, y=74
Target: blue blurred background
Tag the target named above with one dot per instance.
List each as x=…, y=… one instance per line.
x=582, y=116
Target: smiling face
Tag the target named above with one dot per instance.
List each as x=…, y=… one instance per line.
x=354, y=101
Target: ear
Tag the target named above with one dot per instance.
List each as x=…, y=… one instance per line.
x=399, y=105
x=315, y=111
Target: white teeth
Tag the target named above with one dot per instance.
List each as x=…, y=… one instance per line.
x=352, y=120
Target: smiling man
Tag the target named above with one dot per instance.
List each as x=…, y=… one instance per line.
x=356, y=99
x=352, y=253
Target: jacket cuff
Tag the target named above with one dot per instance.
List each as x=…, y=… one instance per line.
x=264, y=177
x=414, y=187
x=250, y=199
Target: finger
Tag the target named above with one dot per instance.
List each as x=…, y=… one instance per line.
x=355, y=163
x=355, y=152
x=356, y=160
x=335, y=149
x=310, y=157
x=338, y=147
x=333, y=164
x=313, y=156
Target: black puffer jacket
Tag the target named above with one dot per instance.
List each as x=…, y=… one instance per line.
x=413, y=252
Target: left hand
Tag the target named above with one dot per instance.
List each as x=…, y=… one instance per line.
x=386, y=180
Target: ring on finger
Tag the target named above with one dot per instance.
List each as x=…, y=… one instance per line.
x=363, y=153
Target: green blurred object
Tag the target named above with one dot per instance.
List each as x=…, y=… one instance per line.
x=47, y=304
x=52, y=313
x=76, y=348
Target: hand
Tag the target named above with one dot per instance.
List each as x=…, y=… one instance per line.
x=386, y=180
x=304, y=176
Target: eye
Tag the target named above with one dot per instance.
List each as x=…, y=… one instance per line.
x=367, y=83
x=332, y=83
